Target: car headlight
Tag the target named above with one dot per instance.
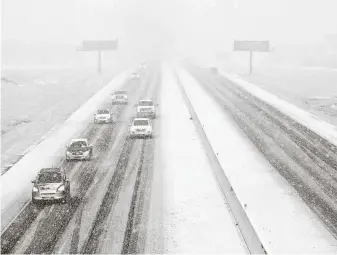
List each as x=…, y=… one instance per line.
x=68, y=153
x=35, y=189
x=86, y=152
x=61, y=188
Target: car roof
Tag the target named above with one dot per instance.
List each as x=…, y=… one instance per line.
x=141, y=119
x=51, y=170
x=79, y=140
x=103, y=110
x=120, y=91
x=147, y=100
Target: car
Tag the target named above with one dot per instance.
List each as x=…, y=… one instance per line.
x=103, y=116
x=214, y=70
x=141, y=127
x=135, y=76
x=120, y=97
x=79, y=149
x=142, y=65
x=146, y=109
x=51, y=184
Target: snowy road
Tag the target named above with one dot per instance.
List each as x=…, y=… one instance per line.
x=116, y=201
x=304, y=159
x=86, y=178
x=164, y=195
x=38, y=104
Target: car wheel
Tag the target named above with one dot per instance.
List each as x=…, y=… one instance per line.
x=66, y=198
x=67, y=158
x=34, y=201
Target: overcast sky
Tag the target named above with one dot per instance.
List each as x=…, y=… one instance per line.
x=183, y=23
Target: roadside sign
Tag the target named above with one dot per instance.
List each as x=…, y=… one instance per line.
x=98, y=45
x=251, y=46
x=261, y=46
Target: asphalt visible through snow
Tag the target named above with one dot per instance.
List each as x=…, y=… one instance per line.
x=94, y=184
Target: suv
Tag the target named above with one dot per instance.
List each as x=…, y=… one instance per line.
x=146, y=109
x=119, y=97
x=79, y=149
x=103, y=116
x=51, y=184
x=141, y=127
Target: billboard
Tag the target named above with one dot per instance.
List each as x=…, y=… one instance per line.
x=98, y=45
x=261, y=46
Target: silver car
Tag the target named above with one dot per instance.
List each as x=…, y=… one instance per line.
x=51, y=184
x=103, y=116
x=141, y=127
x=120, y=97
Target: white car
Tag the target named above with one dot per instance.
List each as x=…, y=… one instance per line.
x=103, y=116
x=119, y=97
x=141, y=127
x=79, y=149
x=135, y=76
x=146, y=109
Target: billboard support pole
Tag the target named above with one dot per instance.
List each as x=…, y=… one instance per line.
x=251, y=46
x=99, y=46
x=250, y=62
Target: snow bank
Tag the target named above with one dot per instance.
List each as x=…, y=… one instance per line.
x=16, y=183
x=195, y=217
x=322, y=128
x=282, y=221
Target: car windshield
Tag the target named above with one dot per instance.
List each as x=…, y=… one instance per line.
x=78, y=144
x=140, y=122
x=145, y=103
x=50, y=178
x=102, y=112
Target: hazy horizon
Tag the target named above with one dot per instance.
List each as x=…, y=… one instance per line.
x=157, y=27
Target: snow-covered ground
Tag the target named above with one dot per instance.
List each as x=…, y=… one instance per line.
x=312, y=89
x=35, y=102
x=16, y=183
x=282, y=221
x=187, y=210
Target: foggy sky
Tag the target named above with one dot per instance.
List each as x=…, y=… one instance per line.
x=182, y=24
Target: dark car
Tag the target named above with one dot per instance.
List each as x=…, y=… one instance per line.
x=214, y=69
x=51, y=184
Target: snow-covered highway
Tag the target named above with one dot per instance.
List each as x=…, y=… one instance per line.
x=172, y=193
